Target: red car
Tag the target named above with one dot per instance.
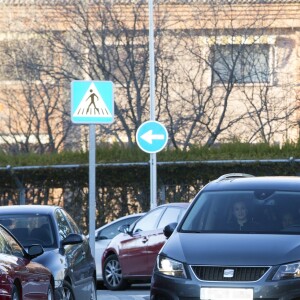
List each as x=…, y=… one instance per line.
x=21, y=278
x=131, y=255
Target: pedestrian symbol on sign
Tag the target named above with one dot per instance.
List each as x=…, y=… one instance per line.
x=92, y=104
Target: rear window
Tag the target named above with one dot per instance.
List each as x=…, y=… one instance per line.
x=259, y=211
x=30, y=229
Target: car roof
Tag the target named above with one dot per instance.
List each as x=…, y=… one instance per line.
x=251, y=182
x=23, y=209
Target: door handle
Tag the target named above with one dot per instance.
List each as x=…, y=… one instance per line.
x=144, y=240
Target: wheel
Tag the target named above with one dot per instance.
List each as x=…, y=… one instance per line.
x=112, y=274
x=15, y=293
x=50, y=293
x=68, y=291
x=93, y=291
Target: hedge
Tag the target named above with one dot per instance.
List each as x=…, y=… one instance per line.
x=123, y=186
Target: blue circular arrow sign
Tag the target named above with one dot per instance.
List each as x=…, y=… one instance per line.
x=152, y=136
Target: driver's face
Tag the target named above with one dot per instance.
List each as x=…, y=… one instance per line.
x=240, y=211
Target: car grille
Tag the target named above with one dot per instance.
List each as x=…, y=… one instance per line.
x=212, y=273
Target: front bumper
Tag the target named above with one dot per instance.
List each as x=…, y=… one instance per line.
x=171, y=288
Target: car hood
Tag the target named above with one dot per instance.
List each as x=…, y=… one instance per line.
x=233, y=249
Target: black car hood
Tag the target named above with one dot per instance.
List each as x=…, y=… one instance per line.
x=233, y=249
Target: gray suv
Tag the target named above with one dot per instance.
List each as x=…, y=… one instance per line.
x=239, y=239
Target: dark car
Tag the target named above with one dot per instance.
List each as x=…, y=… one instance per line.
x=20, y=277
x=67, y=252
x=131, y=255
x=234, y=242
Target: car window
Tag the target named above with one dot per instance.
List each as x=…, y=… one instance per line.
x=259, y=211
x=30, y=229
x=149, y=221
x=74, y=226
x=170, y=215
x=111, y=230
x=8, y=245
x=64, y=227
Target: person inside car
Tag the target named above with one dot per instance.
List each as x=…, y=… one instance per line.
x=240, y=217
x=287, y=220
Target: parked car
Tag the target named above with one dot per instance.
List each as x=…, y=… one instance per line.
x=20, y=277
x=67, y=252
x=105, y=234
x=131, y=255
x=234, y=242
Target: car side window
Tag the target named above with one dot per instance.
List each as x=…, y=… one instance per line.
x=149, y=221
x=9, y=245
x=170, y=215
x=72, y=223
x=64, y=228
x=112, y=230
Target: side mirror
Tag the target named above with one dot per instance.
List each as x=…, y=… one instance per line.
x=72, y=239
x=169, y=229
x=35, y=250
x=124, y=228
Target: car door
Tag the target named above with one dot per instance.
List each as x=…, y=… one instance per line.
x=134, y=247
x=104, y=236
x=33, y=280
x=156, y=238
x=74, y=254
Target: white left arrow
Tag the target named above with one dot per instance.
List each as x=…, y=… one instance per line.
x=149, y=136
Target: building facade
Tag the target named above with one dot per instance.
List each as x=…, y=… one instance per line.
x=225, y=70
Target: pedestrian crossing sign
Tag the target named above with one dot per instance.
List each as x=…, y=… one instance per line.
x=92, y=102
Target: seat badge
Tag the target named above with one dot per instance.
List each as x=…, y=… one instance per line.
x=228, y=273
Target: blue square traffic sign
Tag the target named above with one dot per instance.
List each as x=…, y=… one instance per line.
x=92, y=102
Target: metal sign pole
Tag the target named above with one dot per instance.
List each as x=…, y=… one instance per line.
x=92, y=184
x=92, y=102
x=153, y=171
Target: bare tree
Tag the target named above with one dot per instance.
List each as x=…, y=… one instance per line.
x=222, y=87
x=210, y=61
x=106, y=41
x=34, y=104
x=272, y=107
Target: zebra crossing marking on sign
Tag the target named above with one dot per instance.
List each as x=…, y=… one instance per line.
x=92, y=102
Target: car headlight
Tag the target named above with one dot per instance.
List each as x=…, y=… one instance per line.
x=170, y=267
x=289, y=271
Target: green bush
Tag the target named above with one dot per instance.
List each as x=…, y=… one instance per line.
x=116, y=153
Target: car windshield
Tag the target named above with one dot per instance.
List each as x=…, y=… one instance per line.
x=259, y=211
x=30, y=229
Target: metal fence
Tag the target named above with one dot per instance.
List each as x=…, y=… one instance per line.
x=123, y=188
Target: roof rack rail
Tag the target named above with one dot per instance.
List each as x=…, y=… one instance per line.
x=233, y=175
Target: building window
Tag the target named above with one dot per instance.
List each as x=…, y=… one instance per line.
x=22, y=59
x=241, y=63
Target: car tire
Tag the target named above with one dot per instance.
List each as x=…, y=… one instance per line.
x=50, y=293
x=15, y=293
x=68, y=291
x=112, y=274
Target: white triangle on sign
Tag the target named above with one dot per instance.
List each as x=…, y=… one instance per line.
x=92, y=105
